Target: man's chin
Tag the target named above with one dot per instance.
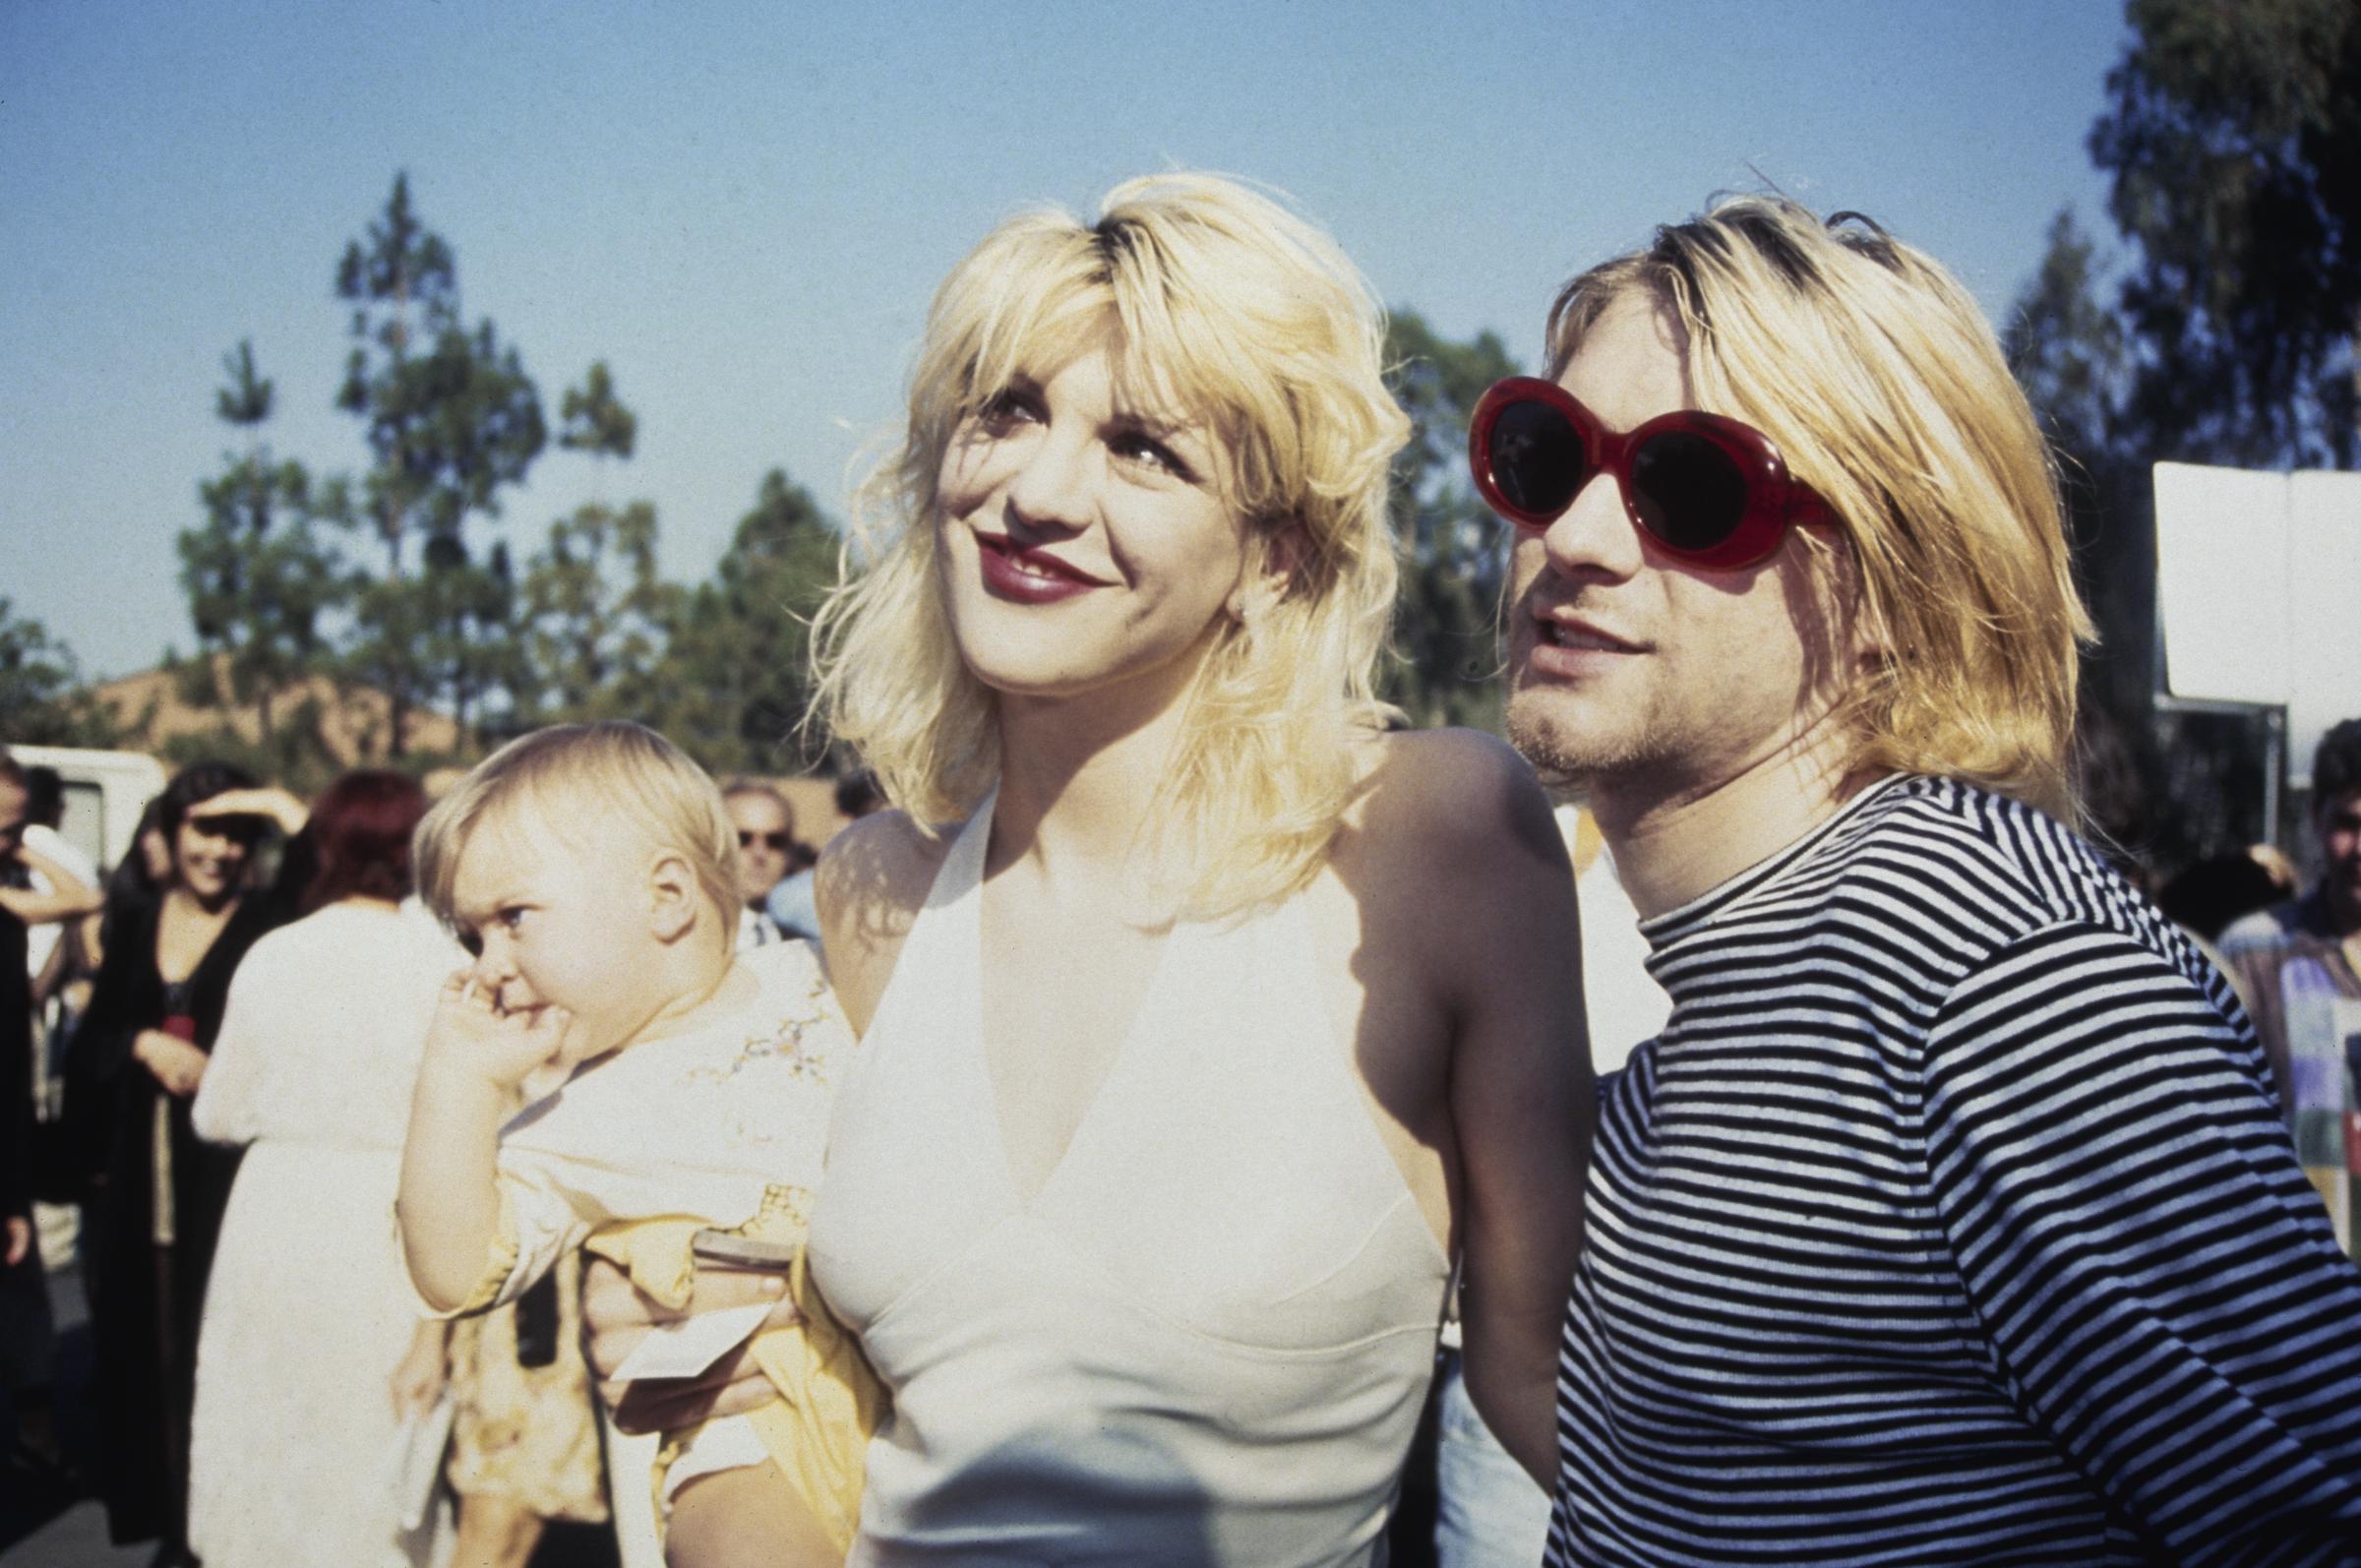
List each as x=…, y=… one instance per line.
x=1565, y=757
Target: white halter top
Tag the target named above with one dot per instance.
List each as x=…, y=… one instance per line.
x=1204, y=1340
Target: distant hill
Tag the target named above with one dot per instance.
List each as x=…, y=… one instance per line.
x=353, y=719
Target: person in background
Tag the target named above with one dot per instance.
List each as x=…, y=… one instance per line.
x=766, y=827
x=138, y=878
x=1950, y=1215
x=39, y=895
x=58, y=951
x=45, y=887
x=313, y=1354
x=154, y=1199
x=791, y=904
x=40, y=889
x=2209, y=897
x=2298, y=965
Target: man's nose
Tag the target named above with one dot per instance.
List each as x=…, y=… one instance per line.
x=1595, y=535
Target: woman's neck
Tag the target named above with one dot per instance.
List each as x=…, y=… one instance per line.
x=1077, y=777
x=186, y=901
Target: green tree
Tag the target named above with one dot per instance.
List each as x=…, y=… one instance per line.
x=733, y=684
x=2072, y=356
x=259, y=582
x=595, y=610
x=452, y=419
x=42, y=700
x=2233, y=133
x=594, y=420
x=598, y=616
x=1446, y=659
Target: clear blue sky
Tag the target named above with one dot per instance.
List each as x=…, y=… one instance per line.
x=743, y=209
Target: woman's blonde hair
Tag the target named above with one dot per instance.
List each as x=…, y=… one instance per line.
x=1883, y=386
x=570, y=781
x=1222, y=306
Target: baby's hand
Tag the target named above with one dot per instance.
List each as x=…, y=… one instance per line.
x=471, y=1034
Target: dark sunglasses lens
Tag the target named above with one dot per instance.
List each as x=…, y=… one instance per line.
x=1537, y=462
x=1690, y=492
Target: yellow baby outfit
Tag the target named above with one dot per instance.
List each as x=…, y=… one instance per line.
x=722, y=1128
x=830, y=1402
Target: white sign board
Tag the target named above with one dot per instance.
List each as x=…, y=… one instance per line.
x=2259, y=593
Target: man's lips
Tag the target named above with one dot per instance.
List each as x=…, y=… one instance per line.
x=1575, y=632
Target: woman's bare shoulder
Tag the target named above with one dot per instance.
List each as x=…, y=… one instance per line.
x=873, y=880
x=881, y=856
x=1442, y=795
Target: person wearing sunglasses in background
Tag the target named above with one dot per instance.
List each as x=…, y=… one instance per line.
x=765, y=825
x=1949, y=1217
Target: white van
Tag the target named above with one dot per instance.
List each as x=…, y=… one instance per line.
x=106, y=793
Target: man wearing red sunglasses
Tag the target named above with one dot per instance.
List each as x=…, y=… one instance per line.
x=1949, y=1217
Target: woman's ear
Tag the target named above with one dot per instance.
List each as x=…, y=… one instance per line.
x=674, y=895
x=1273, y=557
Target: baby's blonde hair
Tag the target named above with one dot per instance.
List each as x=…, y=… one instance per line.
x=565, y=780
x=1883, y=386
x=1222, y=306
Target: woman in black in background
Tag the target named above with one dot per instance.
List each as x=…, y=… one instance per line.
x=156, y=1191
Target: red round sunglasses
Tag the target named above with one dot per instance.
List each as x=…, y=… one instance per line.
x=1709, y=490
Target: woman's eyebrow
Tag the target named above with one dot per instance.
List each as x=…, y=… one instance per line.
x=1163, y=428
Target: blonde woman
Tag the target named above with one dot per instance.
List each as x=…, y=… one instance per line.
x=1205, y=1023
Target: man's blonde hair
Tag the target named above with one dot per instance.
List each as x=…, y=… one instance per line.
x=1219, y=305
x=568, y=781
x=1883, y=386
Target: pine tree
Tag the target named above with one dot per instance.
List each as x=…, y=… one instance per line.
x=261, y=583
x=452, y=419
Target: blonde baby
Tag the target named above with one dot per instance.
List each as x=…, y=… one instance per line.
x=675, y=1095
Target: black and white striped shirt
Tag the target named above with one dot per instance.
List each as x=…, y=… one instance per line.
x=1950, y=1220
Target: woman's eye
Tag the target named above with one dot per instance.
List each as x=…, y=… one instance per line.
x=511, y=919
x=1010, y=405
x=1140, y=448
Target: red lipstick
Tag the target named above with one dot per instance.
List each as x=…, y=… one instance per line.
x=1028, y=577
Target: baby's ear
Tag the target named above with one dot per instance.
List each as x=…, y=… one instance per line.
x=673, y=896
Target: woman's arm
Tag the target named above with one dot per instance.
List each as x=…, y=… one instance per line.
x=617, y=1316
x=69, y=896
x=475, y=1058
x=174, y=1064
x=1496, y=922
x=282, y=810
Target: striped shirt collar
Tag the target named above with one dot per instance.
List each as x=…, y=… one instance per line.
x=1662, y=930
